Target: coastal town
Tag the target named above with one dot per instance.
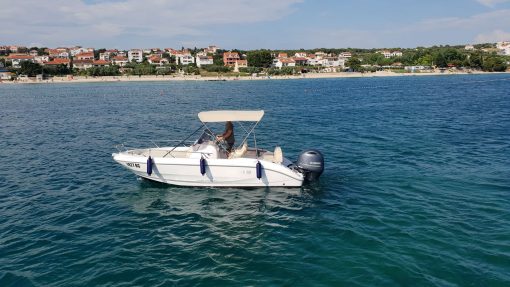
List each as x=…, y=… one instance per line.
x=36, y=64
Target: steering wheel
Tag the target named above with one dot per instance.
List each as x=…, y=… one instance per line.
x=221, y=144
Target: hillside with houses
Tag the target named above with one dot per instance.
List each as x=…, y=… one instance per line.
x=42, y=62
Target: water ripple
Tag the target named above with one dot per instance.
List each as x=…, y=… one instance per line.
x=415, y=191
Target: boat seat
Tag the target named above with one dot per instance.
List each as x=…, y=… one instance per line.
x=278, y=155
x=239, y=152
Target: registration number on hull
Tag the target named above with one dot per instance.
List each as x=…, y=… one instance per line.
x=132, y=164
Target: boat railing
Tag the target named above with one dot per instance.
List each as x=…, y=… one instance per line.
x=158, y=143
x=125, y=147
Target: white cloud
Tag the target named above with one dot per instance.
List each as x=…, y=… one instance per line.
x=483, y=27
x=491, y=3
x=74, y=21
x=494, y=36
x=490, y=20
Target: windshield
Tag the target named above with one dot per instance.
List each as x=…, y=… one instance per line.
x=204, y=137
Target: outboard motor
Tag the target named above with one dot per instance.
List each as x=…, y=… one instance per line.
x=311, y=164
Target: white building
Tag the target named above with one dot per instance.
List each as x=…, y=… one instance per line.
x=155, y=60
x=5, y=74
x=17, y=59
x=390, y=54
x=320, y=54
x=185, y=59
x=204, y=60
x=413, y=69
x=59, y=53
x=503, y=48
x=79, y=50
x=202, y=53
x=211, y=49
x=107, y=55
x=469, y=47
x=135, y=55
x=396, y=54
x=332, y=62
x=285, y=62
x=42, y=59
x=119, y=61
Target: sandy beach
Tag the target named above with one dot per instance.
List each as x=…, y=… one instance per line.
x=162, y=78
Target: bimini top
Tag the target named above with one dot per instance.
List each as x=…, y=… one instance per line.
x=233, y=116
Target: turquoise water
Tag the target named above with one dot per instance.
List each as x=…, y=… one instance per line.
x=416, y=189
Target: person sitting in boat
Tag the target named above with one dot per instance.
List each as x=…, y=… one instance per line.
x=228, y=136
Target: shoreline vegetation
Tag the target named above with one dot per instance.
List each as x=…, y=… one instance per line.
x=77, y=64
x=163, y=78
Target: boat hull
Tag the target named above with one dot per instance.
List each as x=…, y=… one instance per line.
x=239, y=172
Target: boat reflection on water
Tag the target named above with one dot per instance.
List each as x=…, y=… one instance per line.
x=155, y=197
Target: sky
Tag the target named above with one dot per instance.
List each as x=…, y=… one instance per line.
x=253, y=24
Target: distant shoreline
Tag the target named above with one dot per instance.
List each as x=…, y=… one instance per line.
x=153, y=78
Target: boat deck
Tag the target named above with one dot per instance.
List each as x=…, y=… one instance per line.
x=187, y=152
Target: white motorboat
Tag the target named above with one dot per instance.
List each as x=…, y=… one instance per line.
x=206, y=162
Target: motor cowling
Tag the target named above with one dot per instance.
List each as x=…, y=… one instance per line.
x=311, y=164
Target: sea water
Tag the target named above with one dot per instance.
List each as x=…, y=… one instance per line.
x=416, y=190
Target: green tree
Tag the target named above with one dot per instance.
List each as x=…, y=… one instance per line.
x=143, y=68
x=218, y=58
x=97, y=52
x=373, y=59
x=58, y=70
x=262, y=59
x=425, y=60
x=191, y=69
x=475, y=60
x=282, y=71
x=217, y=68
x=354, y=63
x=440, y=60
x=250, y=70
x=30, y=69
x=42, y=51
x=494, y=63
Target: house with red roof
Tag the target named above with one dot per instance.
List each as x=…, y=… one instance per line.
x=240, y=64
x=184, y=57
x=107, y=55
x=120, y=61
x=58, y=61
x=300, y=61
x=17, y=59
x=230, y=58
x=285, y=62
x=17, y=49
x=78, y=50
x=83, y=64
x=58, y=53
x=155, y=60
x=203, y=60
x=100, y=63
x=84, y=56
